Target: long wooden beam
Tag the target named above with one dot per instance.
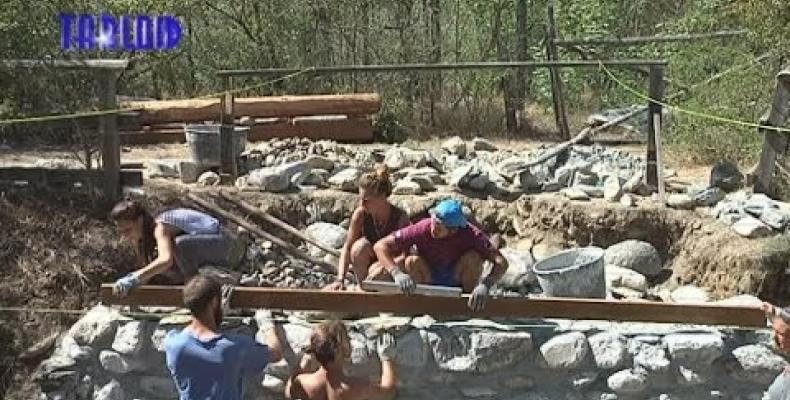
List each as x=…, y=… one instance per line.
x=440, y=67
x=359, y=302
x=638, y=40
x=107, y=64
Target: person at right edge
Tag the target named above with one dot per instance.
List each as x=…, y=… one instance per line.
x=780, y=322
x=450, y=252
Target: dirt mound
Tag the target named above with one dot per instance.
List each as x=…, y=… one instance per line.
x=55, y=250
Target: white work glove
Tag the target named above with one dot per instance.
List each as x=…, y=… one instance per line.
x=479, y=296
x=386, y=347
x=404, y=281
x=125, y=285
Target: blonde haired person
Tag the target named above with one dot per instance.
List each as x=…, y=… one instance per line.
x=373, y=219
x=331, y=347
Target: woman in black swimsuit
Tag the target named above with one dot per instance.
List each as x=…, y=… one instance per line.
x=374, y=218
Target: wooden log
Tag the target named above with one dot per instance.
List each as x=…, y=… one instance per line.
x=102, y=64
x=346, y=130
x=256, y=230
x=638, y=40
x=517, y=307
x=558, y=99
x=46, y=176
x=774, y=143
x=198, y=110
x=278, y=223
x=425, y=290
x=656, y=92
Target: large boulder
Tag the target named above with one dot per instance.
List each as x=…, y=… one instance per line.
x=328, y=234
x=609, y=350
x=478, y=352
x=347, y=179
x=750, y=227
x=726, y=176
x=695, y=351
x=269, y=179
x=97, y=326
x=401, y=157
x=519, y=271
x=635, y=255
x=756, y=363
x=455, y=145
x=627, y=382
x=480, y=144
x=130, y=338
x=110, y=391
x=689, y=294
x=566, y=351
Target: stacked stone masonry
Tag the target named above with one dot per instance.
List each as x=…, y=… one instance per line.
x=106, y=356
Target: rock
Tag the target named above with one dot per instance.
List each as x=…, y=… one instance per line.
x=627, y=381
x=241, y=182
x=70, y=350
x=689, y=294
x=633, y=184
x=551, y=186
x=612, y=191
x=479, y=352
x=159, y=387
x=97, y=326
x=461, y=176
x=627, y=200
x=546, y=249
x=680, y=201
x=110, y=391
x=746, y=300
x=478, y=392
x=566, y=351
x=319, y=162
x=750, y=227
x=479, y=182
x=619, y=292
x=188, y=171
x=609, y=350
x=328, y=234
x=163, y=168
x=591, y=191
x=56, y=363
x=695, y=351
x=585, y=178
x=407, y=187
x=756, y=363
x=635, y=255
x=774, y=218
x=158, y=338
x=709, y=197
x=455, y=145
x=130, y=338
x=519, y=382
x=624, y=277
x=208, y=178
x=273, y=384
x=519, y=272
x=690, y=377
x=412, y=349
x=346, y=179
x=726, y=176
x=116, y=363
x=652, y=358
x=425, y=183
x=584, y=380
x=480, y=144
x=423, y=322
x=400, y=157
x=573, y=193
x=526, y=180
x=269, y=179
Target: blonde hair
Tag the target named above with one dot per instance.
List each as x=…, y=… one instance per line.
x=377, y=181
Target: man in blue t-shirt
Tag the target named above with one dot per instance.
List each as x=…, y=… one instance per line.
x=206, y=364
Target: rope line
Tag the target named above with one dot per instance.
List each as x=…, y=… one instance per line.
x=694, y=113
x=57, y=117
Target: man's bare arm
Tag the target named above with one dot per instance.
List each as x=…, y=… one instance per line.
x=385, y=390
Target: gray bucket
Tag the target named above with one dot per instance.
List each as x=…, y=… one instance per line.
x=203, y=141
x=573, y=273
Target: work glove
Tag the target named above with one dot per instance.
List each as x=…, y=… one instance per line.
x=386, y=347
x=125, y=285
x=479, y=296
x=404, y=281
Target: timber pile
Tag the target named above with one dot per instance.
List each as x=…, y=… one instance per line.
x=344, y=117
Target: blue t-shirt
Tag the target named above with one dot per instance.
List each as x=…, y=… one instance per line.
x=212, y=369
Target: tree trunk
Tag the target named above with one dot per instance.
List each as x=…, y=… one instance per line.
x=522, y=51
x=436, y=55
x=511, y=121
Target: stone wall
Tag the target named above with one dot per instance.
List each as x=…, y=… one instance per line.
x=106, y=356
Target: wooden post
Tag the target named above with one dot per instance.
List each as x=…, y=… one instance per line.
x=656, y=92
x=227, y=144
x=774, y=143
x=552, y=54
x=111, y=143
x=659, y=163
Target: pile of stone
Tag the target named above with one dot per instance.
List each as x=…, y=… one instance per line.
x=106, y=356
x=753, y=215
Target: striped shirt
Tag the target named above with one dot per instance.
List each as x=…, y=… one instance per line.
x=190, y=221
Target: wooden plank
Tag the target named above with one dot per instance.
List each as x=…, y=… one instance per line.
x=111, y=143
x=278, y=223
x=424, y=290
x=199, y=110
x=774, y=143
x=637, y=40
x=104, y=64
x=441, y=66
x=659, y=163
x=361, y=302
x=346, y=130
x=558, y=99
x=227, y=152
x=256, y=230
x=656, y=92
x=133, y=138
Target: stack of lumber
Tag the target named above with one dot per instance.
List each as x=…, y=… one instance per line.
x=343, y=117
